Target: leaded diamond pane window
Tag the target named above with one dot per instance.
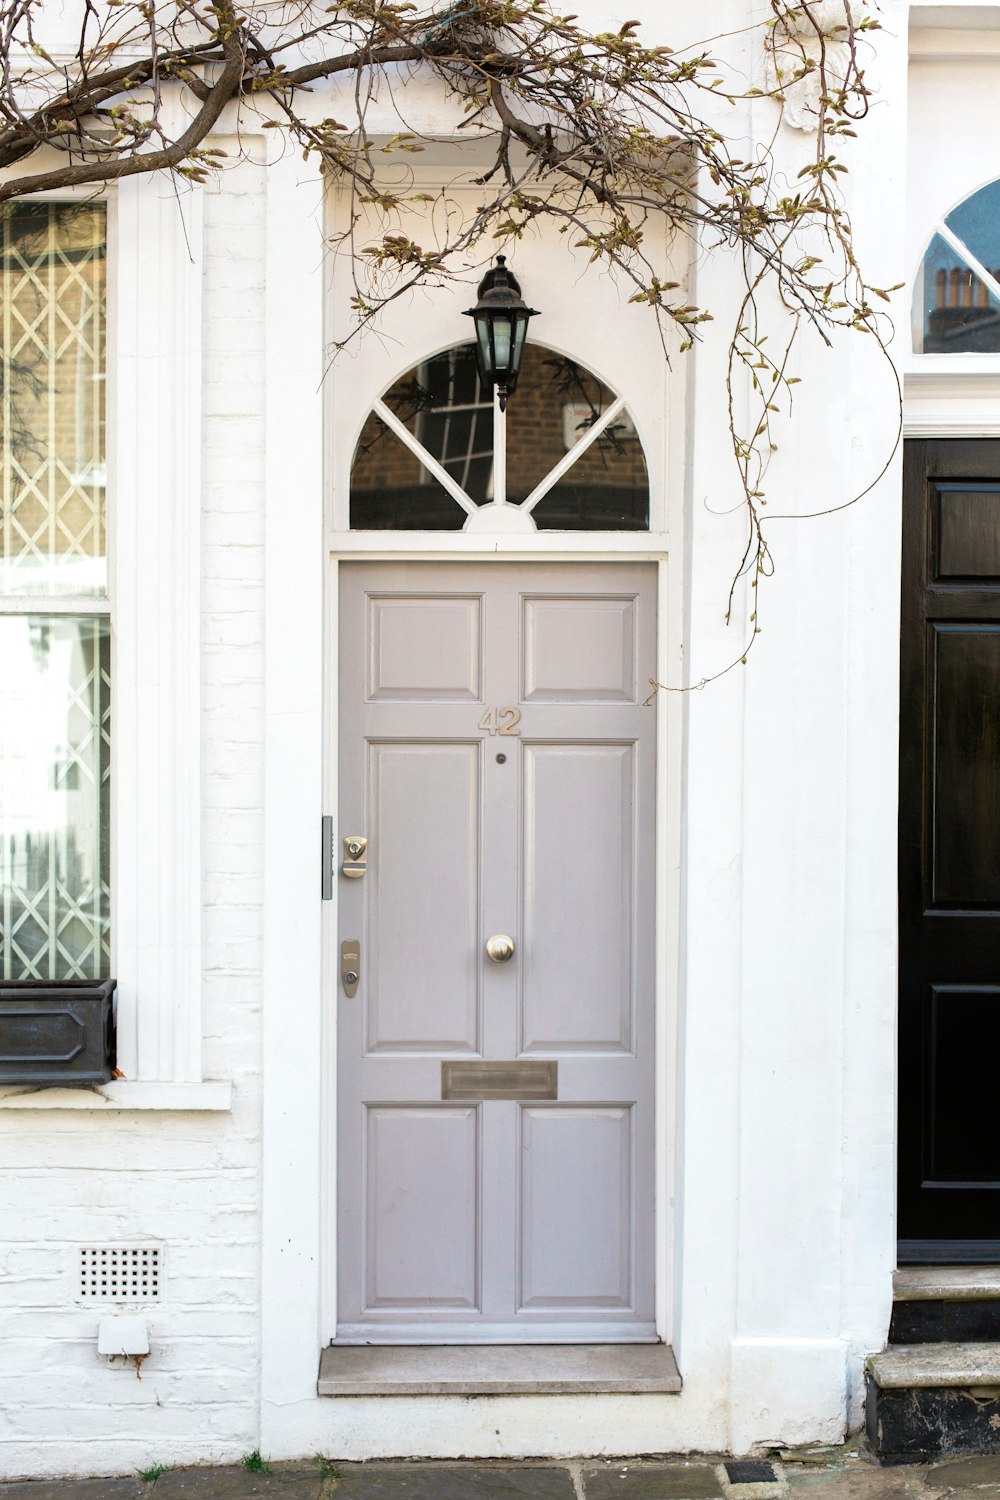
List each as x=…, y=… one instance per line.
x=52, y=528
x=55, y=631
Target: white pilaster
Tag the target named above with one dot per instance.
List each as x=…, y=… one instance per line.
x=155, y=453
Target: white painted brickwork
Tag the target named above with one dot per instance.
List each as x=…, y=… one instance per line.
x=188, y=1182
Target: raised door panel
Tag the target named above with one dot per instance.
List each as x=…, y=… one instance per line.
x=578, y=649
x=421, y=1216
x=966, y=757
x=579, y=897
x=576, y=1208
x=422, y=894
x=961, y=1140
x=424, y=649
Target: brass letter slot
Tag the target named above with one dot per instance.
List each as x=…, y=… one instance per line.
x=499, y=1080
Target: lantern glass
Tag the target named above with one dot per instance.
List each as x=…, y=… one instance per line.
x=520, y=332
x=502, y=330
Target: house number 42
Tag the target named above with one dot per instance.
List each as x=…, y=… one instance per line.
x=500, y=720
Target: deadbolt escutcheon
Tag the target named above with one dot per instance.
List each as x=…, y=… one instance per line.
x=350, y=966
x=355, y=856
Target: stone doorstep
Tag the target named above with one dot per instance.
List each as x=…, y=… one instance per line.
x=946, y=1283
x=496, y=1369
x=937, y=1366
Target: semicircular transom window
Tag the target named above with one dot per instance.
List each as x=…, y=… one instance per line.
x=956, y=303
x=437, y=454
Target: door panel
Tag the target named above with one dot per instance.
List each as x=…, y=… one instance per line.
x=423, y=815
x=422, y=1207
x=576, y=1169
x=496, y=755
x=579, y=897
x=422, y=650
x=579, y=650
x=949, y=852
x=965, y=862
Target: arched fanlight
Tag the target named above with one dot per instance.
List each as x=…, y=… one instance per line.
x=501, y=319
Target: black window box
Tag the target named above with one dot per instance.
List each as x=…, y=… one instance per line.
x=57, y=1031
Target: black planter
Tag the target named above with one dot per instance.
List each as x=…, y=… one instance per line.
x=57, y=1031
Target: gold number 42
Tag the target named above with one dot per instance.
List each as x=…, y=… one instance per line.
x=500, y=720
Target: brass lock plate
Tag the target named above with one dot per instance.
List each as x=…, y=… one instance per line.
x=355, y=856
x=350, y=966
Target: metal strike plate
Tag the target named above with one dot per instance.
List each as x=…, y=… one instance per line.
x=355, y=856
x=499, y=1080
x=350, y=966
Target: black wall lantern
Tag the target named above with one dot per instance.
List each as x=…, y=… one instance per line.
x=501, y=318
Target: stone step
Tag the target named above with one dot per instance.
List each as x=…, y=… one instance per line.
x=946, y=1284
x=945, y=1304
x=927, y=1400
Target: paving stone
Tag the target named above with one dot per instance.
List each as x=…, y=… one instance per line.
x=449, y=1482
x=284, y=1482
x=624, y=1481
x=863, y=1482
x=984, y=1469
x=74, y=1489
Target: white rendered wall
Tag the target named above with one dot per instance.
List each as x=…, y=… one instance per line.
x=188, y=1181
x=782, y=1245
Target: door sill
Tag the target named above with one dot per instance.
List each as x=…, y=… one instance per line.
x=496, y=1369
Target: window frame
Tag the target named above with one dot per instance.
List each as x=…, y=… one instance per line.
x=96, y=606
x=153, y=518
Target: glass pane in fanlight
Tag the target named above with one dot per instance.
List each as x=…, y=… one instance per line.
x=55, y=737
x=976, y=222
x=441, y=402
x=556, y=401
x=52, y=402
x=392, y=491
x=953, y=310
x=443, y=405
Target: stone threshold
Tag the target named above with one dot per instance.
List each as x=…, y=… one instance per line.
x=946, y=1283
x=496, y=1369
x=936, y=1366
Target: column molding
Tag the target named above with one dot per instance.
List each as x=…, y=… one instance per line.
x=155, y=391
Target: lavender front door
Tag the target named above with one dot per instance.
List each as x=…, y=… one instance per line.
x=495, y=1118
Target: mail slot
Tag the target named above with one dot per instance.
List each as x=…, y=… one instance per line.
x=499, y=1080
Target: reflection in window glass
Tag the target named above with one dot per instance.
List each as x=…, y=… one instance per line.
x=52, y=403
x=54, y=797
x=606, y=489
x=441, y=403
x=976, y=221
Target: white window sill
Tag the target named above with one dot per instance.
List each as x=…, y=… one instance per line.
x=215, y=1096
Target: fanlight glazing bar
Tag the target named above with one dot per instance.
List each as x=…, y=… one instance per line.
x=499, y=454
x=554, y=475
x=430, y=463
x=962, y=250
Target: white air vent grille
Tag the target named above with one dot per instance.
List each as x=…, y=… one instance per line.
x=120, y=1273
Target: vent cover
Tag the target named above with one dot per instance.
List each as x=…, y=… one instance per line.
x=120, y=1273
x=750, y=1471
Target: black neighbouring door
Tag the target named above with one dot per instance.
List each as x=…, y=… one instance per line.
x=949, y=854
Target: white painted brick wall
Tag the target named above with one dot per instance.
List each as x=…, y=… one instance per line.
x=189, y=1182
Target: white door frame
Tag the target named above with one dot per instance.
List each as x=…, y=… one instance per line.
x=668, y=706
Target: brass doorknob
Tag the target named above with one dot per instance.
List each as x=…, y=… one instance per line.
x=500, y=948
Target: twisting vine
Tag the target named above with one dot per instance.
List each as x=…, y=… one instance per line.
x=597, y=134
